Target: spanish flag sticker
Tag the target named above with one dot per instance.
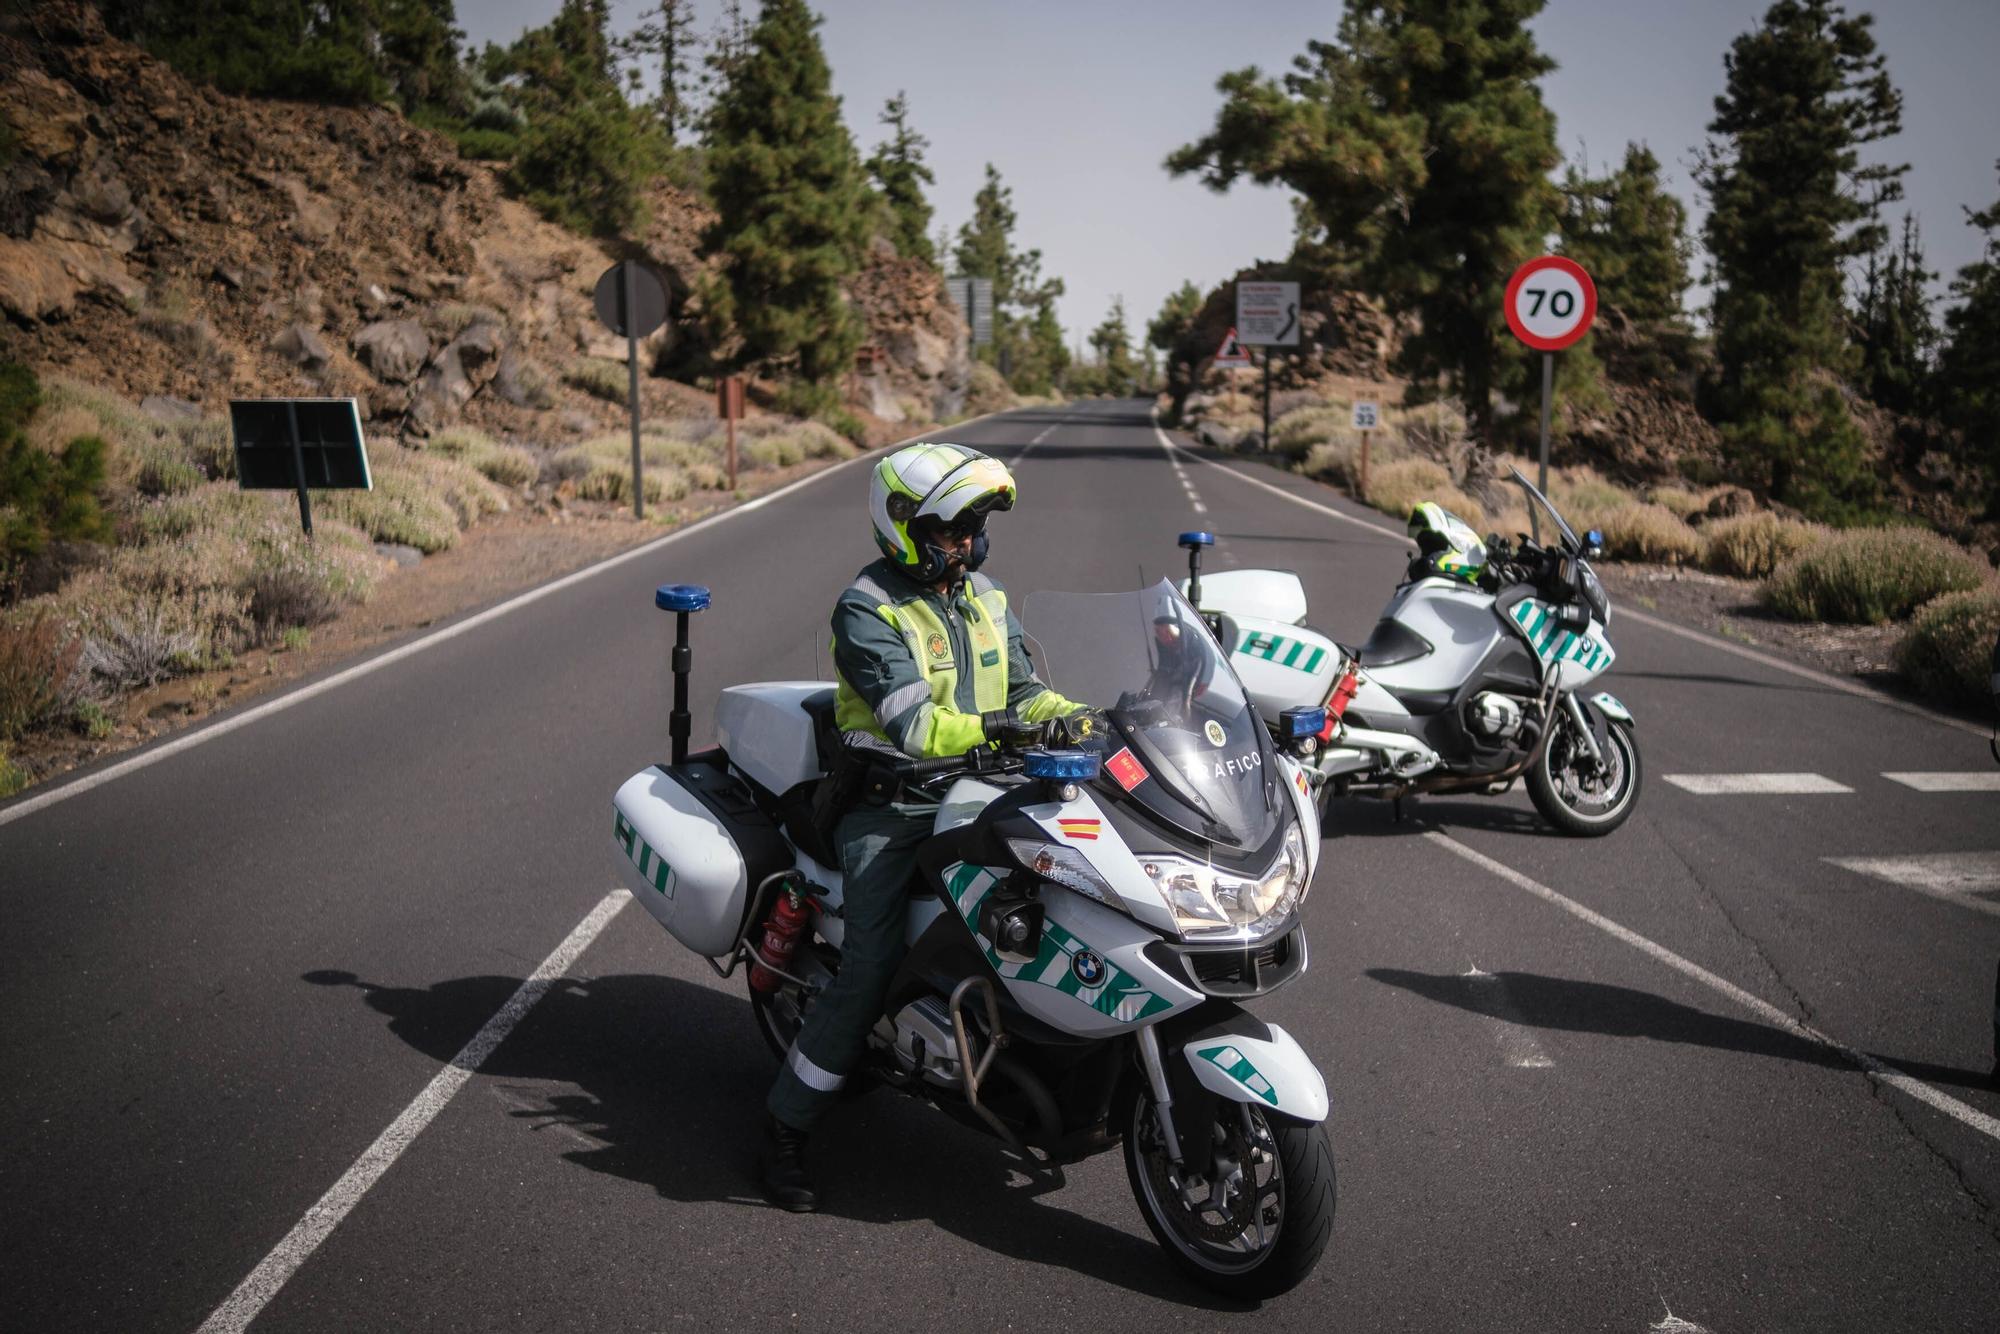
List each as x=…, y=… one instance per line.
x=1081, y=829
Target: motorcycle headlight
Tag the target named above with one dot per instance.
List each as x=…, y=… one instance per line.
x=1210, y=904
x=1064, y=866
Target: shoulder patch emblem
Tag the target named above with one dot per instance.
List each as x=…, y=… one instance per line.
x=938, y=647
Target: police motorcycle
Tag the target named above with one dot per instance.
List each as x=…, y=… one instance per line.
x=1477, y=674
x=1084, y=929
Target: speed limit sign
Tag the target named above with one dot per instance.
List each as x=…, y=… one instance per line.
x=1550, y=303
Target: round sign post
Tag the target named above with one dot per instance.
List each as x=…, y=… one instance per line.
x=631, y=300
x=1550, y=303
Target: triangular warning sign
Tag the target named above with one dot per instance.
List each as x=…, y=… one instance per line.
x=1231, y=353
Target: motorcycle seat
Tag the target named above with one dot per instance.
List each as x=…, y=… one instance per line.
x=1389, y=643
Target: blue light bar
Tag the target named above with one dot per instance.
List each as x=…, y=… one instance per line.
x=1197, y=539
x=681, y=597
x=1304, y=722
x=1068, y=766
x=1593, y=538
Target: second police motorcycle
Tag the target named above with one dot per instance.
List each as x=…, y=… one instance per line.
x=1086, y=929
x=1478, y=673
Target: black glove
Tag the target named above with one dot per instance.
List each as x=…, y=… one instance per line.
x=1007, y=728
x=1076, y=729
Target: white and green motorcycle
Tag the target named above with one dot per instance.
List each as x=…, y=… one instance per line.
x=1478, y=673
x=1086, y=923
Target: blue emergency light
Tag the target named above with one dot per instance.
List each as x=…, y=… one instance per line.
x=1192, y=540
x=1063, y=766
x=1303, y=722
x=681, y=597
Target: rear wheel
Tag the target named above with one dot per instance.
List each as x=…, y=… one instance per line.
x=1259, y=1223
x=1575, y=793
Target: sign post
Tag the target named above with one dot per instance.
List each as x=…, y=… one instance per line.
x=1267, y=316
x=1367, y=416
x=631, y=300
x=1550, y=303
x=729, y=407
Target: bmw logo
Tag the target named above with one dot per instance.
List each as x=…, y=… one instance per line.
x=1088, y=967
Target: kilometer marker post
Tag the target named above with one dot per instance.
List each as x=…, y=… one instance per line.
x=1550, y=304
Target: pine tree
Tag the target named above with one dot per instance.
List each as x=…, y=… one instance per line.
x=1630, y=234
x=1421, y=150
x=900, y=174
x=1968, y=374
x=1113, y=345
x=1027, y=339
x=792, y=207
x=1176, y=318
x=666, y=34
x=586, y=155
x=1897, y=336
x=1790, y=203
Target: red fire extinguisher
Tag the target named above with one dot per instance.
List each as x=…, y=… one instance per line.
x=790, y=919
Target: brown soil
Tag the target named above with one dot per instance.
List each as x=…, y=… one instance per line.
x=1729, y=609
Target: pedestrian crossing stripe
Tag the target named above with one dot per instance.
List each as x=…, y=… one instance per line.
x=1121, y=996
x=1552, y=643
x=1293, y=653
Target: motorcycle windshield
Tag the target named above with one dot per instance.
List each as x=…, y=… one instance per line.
x=1542, y=515
x=1200, y=758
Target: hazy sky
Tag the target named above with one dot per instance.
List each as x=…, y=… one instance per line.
x=1076, y=103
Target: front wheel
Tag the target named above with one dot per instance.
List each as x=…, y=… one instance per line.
x=1578, y=795
x=1256, y=1226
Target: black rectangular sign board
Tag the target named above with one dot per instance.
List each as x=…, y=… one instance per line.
x=330, y=450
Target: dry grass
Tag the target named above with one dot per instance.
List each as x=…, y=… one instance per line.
x=1948, y=650
x=38, y=678
x=600, y=377
x=1634, y=531
x=1869, y=575
x=1399, y=487
x=1753, y=546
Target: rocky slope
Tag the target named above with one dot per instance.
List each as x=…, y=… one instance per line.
x=168, y=241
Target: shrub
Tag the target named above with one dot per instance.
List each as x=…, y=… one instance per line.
x=458, y=441
x=1685, y=504
x=1397, y=488
x=600, y=377
x=37, y=669
x=12, y=776
x=987, y=391
x=140, y=637
x=1294, y=435
x=1948, y=649
x=455, y=317
x=294, y=584
x=1648, y=532
x=401, y=508
x=1752, y=546
x=48, y=497
x=509, y=465
x=1868, y=575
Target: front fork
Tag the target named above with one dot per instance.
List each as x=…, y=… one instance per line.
x=1155, y=1067
x=1583, y=728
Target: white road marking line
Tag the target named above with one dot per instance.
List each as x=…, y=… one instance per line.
x=1762, y=785
x=1777, y=664
x=1955, y=877
x=1977, y=780
x=256, y=1291
x=1517, y=1043
x=189, y=740
x=1879, y=1071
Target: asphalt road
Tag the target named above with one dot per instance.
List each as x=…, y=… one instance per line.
x=1577, y=1085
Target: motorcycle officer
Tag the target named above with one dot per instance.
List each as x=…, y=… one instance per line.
x=930, y=663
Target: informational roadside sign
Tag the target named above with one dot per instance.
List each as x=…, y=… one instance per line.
x=648, y=300
x=1550, y=303
x=1367, y=417
x=974, y=299
x=1267, y=314
x=1232, y=353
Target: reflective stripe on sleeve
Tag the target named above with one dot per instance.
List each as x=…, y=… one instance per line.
x=900, y=700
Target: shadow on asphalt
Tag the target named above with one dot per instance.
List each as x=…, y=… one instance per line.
x=669, y=1079
x=1372, y=817
x=1567, y=1005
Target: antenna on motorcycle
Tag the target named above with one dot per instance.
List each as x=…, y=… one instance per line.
x=1194, y=542
x=680, y=599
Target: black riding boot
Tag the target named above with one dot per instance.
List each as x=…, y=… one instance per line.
x=784, y=1169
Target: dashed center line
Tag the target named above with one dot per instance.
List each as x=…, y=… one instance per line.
x=1767, y=785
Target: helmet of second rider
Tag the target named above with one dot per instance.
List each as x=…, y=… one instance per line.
x=953, y=484
x=1449, y=543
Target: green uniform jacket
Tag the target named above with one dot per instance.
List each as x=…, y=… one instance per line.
x=917, y=669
